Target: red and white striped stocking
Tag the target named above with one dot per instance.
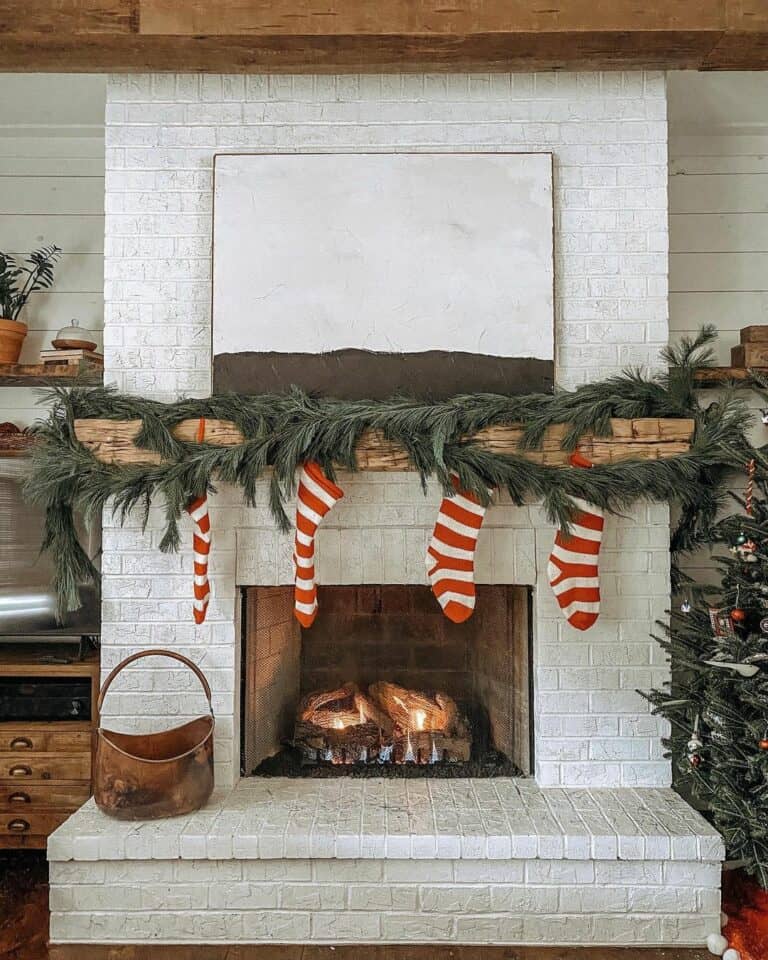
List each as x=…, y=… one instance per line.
x=450, y=556
x=201, y=544
x=317, y=495
x=573, y=571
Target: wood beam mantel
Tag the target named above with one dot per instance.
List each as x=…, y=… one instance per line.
x=112, y=441
x=367, y=36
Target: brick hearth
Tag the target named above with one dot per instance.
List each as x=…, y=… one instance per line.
x=462, y=861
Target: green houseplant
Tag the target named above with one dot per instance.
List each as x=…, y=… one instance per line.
x=17, y=283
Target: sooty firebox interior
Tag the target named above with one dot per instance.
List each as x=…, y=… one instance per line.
x=383, y=684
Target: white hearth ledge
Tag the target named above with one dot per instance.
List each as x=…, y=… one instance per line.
x=442, y=861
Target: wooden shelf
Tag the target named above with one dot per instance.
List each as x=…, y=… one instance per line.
x=22, y=445
x=42, y=375
x=712, y=376
x=18, y=454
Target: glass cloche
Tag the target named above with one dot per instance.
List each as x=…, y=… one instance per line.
x=74, y=337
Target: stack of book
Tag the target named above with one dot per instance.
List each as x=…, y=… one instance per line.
x=71, y=357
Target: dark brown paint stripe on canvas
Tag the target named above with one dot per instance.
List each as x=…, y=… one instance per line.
x=362, y=374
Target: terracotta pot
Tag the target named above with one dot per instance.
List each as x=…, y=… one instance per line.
x=12, y=333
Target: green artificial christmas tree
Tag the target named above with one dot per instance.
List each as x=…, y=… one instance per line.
x=717, y=704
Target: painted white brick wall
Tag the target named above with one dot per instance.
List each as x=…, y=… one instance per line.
x=608, y=136
x=395, y=901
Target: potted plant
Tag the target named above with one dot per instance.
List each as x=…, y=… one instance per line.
x=17, y=284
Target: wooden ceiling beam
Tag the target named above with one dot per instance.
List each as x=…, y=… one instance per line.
x=308, y=36
x=452, y=18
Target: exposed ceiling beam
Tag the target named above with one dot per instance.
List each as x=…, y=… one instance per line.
x=381, y=35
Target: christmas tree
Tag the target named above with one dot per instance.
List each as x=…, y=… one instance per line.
x=717, y=704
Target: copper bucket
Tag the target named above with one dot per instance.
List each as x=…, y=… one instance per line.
x=154, y=775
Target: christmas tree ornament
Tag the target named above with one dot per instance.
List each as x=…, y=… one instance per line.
x=722, y=625
x=745, y=670
x=572, y=569
x=745, y=550
x=763, y=744
x=745, y=547
x=764, y=415
x=749, y=493
x=738, y=615
x=450, y=556
x=685, y=606
x=731, y=954
x=694, y=745
x=316, y=497
x=764, y=625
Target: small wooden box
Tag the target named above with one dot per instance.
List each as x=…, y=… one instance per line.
x=752, y=354
x=754, y=334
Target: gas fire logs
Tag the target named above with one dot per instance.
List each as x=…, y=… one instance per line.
x=385, y=724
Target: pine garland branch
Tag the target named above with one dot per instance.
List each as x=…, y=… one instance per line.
x=284, y=430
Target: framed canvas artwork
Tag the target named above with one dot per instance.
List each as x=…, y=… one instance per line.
x=369, y=275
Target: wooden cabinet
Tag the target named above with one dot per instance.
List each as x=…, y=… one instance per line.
x=45, y=765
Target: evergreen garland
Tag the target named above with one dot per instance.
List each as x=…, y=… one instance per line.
x=282, y=431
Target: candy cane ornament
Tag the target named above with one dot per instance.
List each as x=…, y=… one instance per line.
x=750, y=491
x=201, y=545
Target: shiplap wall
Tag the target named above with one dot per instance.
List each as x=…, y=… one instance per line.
x=52, y=191
x=718, y=203
x=718, y=206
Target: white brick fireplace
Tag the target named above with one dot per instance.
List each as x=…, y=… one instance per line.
x=596, y=849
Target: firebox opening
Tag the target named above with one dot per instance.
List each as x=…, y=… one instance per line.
x=383, y=684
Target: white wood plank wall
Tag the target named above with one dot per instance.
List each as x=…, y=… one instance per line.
x=718, y=261
x=52, y=191
x=718, y=196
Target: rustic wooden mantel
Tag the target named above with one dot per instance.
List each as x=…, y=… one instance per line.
x=312, y=36
x=112, y=441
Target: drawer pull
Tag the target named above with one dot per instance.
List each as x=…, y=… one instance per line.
x=19, y=797
x=18, y=826
x=21, y=743
x=20, y=770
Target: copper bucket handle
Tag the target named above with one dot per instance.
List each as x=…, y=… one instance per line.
x=155, y=653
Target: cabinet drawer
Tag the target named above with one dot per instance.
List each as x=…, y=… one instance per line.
x=32, y=824
x=18, y=768
x=23, y=739
x=18, y=797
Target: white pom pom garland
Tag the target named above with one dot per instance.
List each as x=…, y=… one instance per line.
x=717, y=944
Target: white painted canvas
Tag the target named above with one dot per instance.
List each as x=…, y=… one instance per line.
x=400, y=253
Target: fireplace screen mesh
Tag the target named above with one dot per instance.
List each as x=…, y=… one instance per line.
x=383, y=684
